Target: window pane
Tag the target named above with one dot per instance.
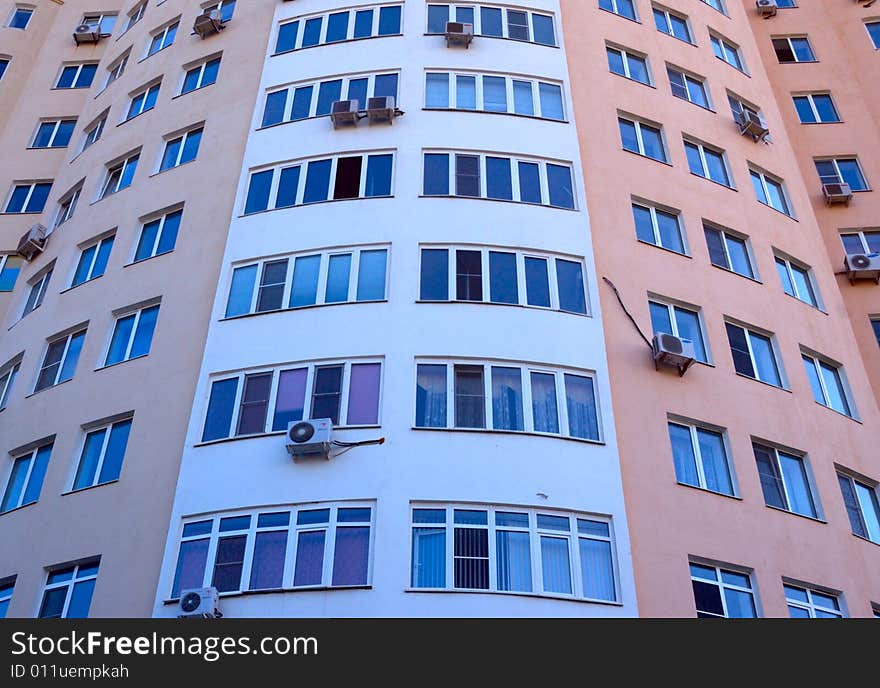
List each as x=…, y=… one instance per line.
x=555, y=564
x=490, y=21
x=560, y=186
x=191, y=561
x=357, y=90
x=517, y=25
x=465, y=92
x=288, y=185
x=363, y=23
x=389, y=20
x=714, y=460
x=438, y=15
x=853, y=506
x=502, y=277
x=302, y=103
x=351, y=556
x=115, y=451
x=467, y=175
x=436, y=174
x=220, y=409
x=470, y=402
x=290, y=399
x=15, y=485
x=834, y=388
x=522, y=98
x=317, y=181
x=683, y=455
x=771, y=484
x=337, y=27
x=688, y=324
x=327, y=393
x=338, y=274
x=254, y=404
x=229, y=562
x=765, y=359
x=529, y=182
x=469, y=275
x=507, y=406
x=870, y=510
x=544, y=411
x=437, y=90
x=739, y=348
x=795, y=477
x=551, y=100
x=348, y=177
x=378, y=175
x=581, y=402
x=241, y=291
x=499, y=184
x=513, y=561
x=429, y=558
x=537, y=282
x=371, y=275
x=309, y=558
x=739, y=256
x=471, y=558
x=311, y=32
x=328, y=92
x=304, y=290
x=707, y=598
x=363, y=396
x=597, y=569
x=258, y=191
x=143, y=335
x=571, y=286
x=434, y=275
x=431, y=396
x=542, y=29
x=267, y=566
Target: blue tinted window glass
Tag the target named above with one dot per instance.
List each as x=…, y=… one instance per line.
x=220, y=409
x=826, y=109
x=286, y=37
x=328, y=92
x=143, y=335
x=436, y=174
x=805, y=112
x=115, y=451
x=490, y=22
x=560, y=187
x=363, y=23
x=258, y=192
x=371, y=275
x=80, y=600
x=120, y=339
x=9, y=273
x=434, y=278
x=209, y=76
x=304, y=291
x=502, y=277
x=288, y=183
x=44, y=135
x=537, y=282
x=15, y=484
x=103, y=256
x=337, y=278
x=66, y=78
x=68, y=368
x=529, y=182
x=169, y=232
x=389, y=20
x=551, y=100
x=38, y=473
x=65, y=130
x=311, y=32
x=147, y=240
x=37, y=201
x=302, y=103
x=274, y=112
x=438, y=15
x=86, y=74
x=542, y=29
x=337, y=27
x=191, y=146
x=357, y=90
x=379, y=175
x=570, y=279
x=499, y=183
x=317, y=181
x=17, y=199
x=241, y=291
x=386, y=85
x=84, y=265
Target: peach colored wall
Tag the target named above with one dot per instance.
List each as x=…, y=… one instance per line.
x=669, y=521
x=125, y=522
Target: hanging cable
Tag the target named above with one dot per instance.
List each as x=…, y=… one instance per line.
x=628, y=314
x=340, y=443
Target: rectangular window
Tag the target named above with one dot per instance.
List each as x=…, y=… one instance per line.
x=707, y=162
x=20, y=18
x=102, y=23
x=93, y=132
x=700, y=458
x=753, y=354
x=658, y=227
x=672, y=24
x=158, y=236
x=54, y=133
x=143, y=101
x=77, y=75
x=66, y=205
x=827, y=381
x=644, y=139
x=784, y=480
x=102, y=454
x=120, y=175
x=495, y=22
x=681, y=322
x=797, y=280
x=10, y=266
x=28, y=197
x=727, y=52
x=4, y=63
x=348, y=393
x=793, y=49
x=26, y=478
x=225, y=7
x=873, y=28
x=722, y=593
x=510, y=549
x=688, y=87
x=815, y=108
x=511, y=95
x=60, y=359
x=808, y=603
x=38, y=286
x=345, y=25
x=181, y=150
x=162, y=38
x=862, y=506
x=7, y=585
x=629, y=64
x=770, y=192
x=460, y=393
x=200, y=76
x=624, y=8
x=861, y=242
x=135, y=15
x=842, y=171
x=715, y=5
x=729, y=251
x=92, y=261
x=8, y=375
x=132, y=335
x=68, y=591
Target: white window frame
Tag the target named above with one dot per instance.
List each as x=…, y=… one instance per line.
x=792, y=264
x=20, y=8
x=116, y=68
x=722, y=585
x=162, y=216
x=69, y=583
x=840, y=180
x=119, y=315
x=861, y=233
x=856, y=480
x=809, y=96
x=200, y=65
x=97, y=242
x=794, y=54
x=143, y=91
x=667, y=13
x=638, y=124
x=873, y=22
x=96, y=128
x=322, y=39
x=8, y=375
x=96, y=20
x=653, y=209
x=122, y=165
x=764, y=176
x=38, y=284
x=183, y=137
x=30, y=456
x=625, y=54
x=87, y=431
x=729, y=46
x=699, y=80
x=671, y=305
x=748, y=329
x=79, y=67
x=5, y=61
x=810, y=605
x=27, y=199
x=135, y=14
x=702, y=148
x=717, y=5
x=68, y=337
x=747, y=242
x=67, y=205
x=780, y=476
x=616, y=11
x=163, y=32
x=818, y=361
x=509, y=79
x=692, y=427
x=505, y=26
x=57, y=125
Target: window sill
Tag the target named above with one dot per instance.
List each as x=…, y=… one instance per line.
x=622, y=16
x=30, y=212
x=311, y=203
x=186, y=93
x=271, y=591
x=46, y=389
x=168, y=169
x=767, y=384
x=118, y=363
x=347, y=40
x=733, y=66
x=90, y=487
x=814, y=519
x=723, y=186
x=502, y=200
x=74, y=286
x=646, y=157
x=777, y=210
x=289, y=309
x=836, y=121
x=70, y=88
x=706, y=490
x=679, y=38
x=860, y=537
x=515, y=593
x=635, y=81
x=664, y=248
x=276, y=433
x=45, y=147
x=498, y=38
x=149, y=55
x=839, y=413
x=516, y=433
x=18, y=508
x=807, y=304
x=144, y=260
x=494, y=112
x=738, y=274
x=109, y=195
x=513, y=305
x=129, y=119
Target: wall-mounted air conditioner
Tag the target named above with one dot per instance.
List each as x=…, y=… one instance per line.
x=459, y=33
x=673, y=351
x=33, y=242
x=837, y=192
x=309, y=439
x=199, y=603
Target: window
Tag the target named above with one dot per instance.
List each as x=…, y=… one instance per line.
x=815, y=108
x=38, y=285
x=672, y=24
x=629, y=64
x=700, y=457
x=92, y=261
x=77, y=75
x=132, y=335
x=842, y=171
x=20, y=18
x=729, y=251
x=67, y=204
x=503, y=276
x=28, y=197
x=644, y=139
x=26, y=479
x=740, y=107
x=93, y=132
x=783, y=4
x=865, y=241
x=142, y=101
x=722, y=593
x=60, y=359
x=511, y=549
x=158, y=236
x=102, y=453
x=54, y=133
x=784, y=480
x=102, y=23
x=6, y=587
x=201, y=75
x=136, y=14
x=319, y=545
x=485, y=93
x=770, y=191
x=10, y=266
x=624, y=8
x=727, y=52
x=225, y=7
x=493, y=21
x=162, y=38
x=116, y=68
x=875, y=326
x=68, y=592
x=862, y=506
x=715, y=5
x=658, y=227
x=345, y=25
x=303, y=100
x=362, y=175
x=793, y=49
x=506, y=396
x=688, y=87
x=707, y=162
x=120, y=175
x=681, y=322
x=338, y=276
x=8, y=375
x=807, y=603
x=753, y=355
x=797, y=280
x=346, y=392
x=4, y=63
x=828, y=383
x=181, y=149
x=873, y=28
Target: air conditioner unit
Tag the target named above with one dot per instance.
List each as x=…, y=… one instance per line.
x=199, y=603
x=767, y=8
x=862, y=266
x=459, y=33
x=208, y=23
x=673, y=351
x=381, y=109
x=752, y=124
x=87, y=33
x=33, y=242
x=837, y=193
x=344, y=112
x=309, y=439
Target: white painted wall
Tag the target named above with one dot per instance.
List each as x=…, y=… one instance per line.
x=413, y=465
